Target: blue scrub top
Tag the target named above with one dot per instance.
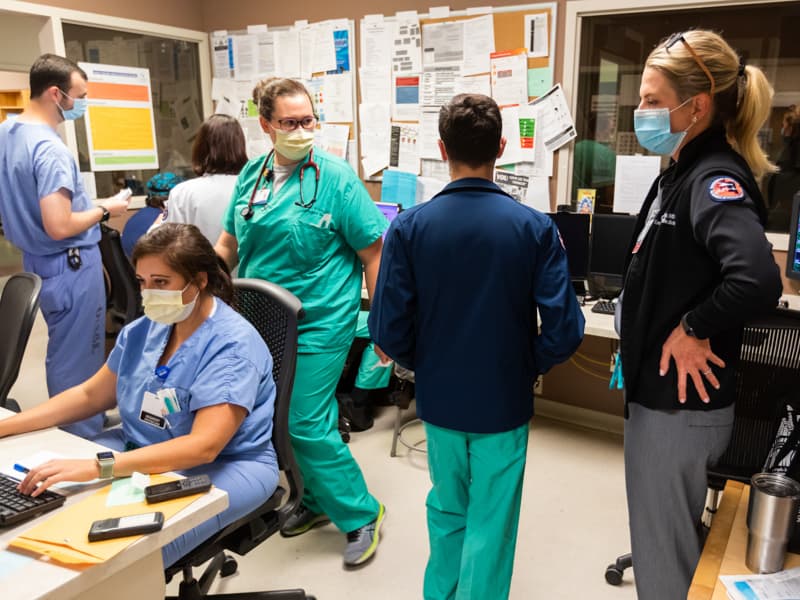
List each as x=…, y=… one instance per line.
x=35, y=163
x=461, y=279
x=224, y=360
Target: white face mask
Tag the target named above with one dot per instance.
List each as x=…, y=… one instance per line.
x=294, y=145
x=166, y=306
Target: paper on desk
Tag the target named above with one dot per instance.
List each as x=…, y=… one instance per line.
x=11, y=563
x=64, y=536
x=783, y=585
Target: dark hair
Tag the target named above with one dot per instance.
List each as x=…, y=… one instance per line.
x=219, y=147
x=188, y=252
x=268, y=90
x=49, y=70
x=470, y=127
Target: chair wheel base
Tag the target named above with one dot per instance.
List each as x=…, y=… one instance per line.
x=229, y=567
x=613, y=575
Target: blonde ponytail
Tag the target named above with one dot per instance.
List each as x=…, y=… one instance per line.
x=754, y=108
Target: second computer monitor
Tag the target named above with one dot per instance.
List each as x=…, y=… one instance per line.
x=608, y=250
x=574, y=231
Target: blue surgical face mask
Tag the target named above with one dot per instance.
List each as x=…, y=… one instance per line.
x=79, y=106
x=654, y=132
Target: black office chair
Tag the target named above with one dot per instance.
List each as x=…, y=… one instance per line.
x=274, y=312
x=18, y=305
x=124, y=300
x=767, y=375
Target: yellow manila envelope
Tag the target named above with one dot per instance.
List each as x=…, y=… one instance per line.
x=64, y=536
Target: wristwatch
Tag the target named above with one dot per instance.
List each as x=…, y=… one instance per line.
x=687, y=329
x=105, y=460
x=106, y=214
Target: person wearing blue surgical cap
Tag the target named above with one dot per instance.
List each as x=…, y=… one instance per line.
x=158, y=189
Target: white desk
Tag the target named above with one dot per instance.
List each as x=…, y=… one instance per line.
x=135, y=573
x=602, y=326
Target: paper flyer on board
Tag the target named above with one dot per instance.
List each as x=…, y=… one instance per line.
x=557, y=125
x=509, y=75
x=120, y=125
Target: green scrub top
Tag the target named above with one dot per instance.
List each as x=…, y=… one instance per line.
x=309, y=251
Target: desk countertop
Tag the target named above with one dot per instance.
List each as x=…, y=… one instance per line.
x=42, y=579
x=724, y=550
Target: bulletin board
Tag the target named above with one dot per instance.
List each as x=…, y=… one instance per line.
x=509, y=28
x=232, y=91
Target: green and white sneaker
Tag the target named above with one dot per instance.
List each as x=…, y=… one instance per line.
x=362, y=542
x=303, y=520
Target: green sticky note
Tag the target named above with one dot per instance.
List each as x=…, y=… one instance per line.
x=252, y=109
x=124, y=492
x=539, y=80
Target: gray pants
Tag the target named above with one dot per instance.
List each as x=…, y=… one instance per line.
x=666, y=457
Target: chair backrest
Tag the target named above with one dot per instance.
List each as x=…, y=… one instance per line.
x=125, y=299
x=18, y=305
x=767, y=376
x=274, y=312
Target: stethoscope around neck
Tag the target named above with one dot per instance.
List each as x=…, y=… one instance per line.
x=268, y=175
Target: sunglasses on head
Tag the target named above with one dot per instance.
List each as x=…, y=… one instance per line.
x=678, y=37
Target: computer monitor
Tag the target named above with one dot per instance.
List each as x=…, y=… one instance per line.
x=390, y=210
x=574, y=231
x=608, y=249
x=793, y=251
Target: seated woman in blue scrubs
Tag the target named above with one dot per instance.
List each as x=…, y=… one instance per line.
x=193, y=382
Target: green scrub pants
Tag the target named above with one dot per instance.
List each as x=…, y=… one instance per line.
x=333, y=481
x=371, y=375
x=473, y=511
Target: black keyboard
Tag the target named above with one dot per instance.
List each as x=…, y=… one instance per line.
x=16, y=507
x=604, y=307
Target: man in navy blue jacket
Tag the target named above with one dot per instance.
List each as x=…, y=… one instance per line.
x=460, y=283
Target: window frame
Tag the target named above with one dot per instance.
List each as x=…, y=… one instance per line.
x=576, y=11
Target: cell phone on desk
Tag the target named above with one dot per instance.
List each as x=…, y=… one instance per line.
x=194, y=484
x=107, y=529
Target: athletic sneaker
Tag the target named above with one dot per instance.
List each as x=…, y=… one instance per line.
x=303, y=520
x=362, y=542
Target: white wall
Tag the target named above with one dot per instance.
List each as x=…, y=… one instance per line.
x=19, y=40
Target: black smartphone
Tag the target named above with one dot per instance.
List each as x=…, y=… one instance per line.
x=106, y=529
x=175, y=489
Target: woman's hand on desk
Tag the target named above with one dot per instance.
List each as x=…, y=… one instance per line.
x=42, y=477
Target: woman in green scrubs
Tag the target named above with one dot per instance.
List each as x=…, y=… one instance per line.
x=301, y=218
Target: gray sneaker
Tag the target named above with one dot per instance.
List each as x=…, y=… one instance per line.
x=303, y=520
x=362, y=542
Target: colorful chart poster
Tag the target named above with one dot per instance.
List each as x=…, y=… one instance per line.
x=120, y=128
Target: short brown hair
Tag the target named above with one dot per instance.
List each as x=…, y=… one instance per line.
x=187, y=252
x=219, y=147
x=470, y=127
x=49, y=70
x=268, y=90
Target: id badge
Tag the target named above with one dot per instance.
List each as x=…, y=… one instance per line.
x=261, y=197
x=153, y=412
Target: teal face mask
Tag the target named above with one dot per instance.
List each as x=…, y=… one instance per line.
x=79, y=106
x=654, y=132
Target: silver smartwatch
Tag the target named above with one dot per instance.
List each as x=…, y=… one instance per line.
x=105, y=460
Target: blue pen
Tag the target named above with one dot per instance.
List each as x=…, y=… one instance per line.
x=20, y=468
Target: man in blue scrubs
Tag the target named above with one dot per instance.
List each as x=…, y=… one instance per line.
x=460, y=283
x=47, y=214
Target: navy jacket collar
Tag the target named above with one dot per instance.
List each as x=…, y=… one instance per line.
x=471, y=183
